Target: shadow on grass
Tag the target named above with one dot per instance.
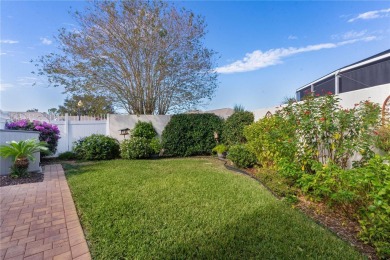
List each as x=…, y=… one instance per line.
x=262, y=235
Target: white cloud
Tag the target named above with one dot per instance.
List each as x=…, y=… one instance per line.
x=3, y=53
x=46, y=41
x=4, y=86
x=292, y=37
x=258, y=59
x=9, y=41
x=26, y=81
x=371, y=15
x=353, y=34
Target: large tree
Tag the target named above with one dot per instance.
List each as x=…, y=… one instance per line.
x=86, y=105
x=147, y=56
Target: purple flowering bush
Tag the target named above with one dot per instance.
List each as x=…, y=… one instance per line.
x=47, y=132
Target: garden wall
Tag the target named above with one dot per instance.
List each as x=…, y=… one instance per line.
x=16, y=135
x=377, y=94
x=118, y=122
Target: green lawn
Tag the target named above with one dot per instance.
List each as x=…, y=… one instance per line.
x=191, y=208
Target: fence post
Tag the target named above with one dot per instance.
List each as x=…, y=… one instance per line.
x=108, y=125
x=66, y=131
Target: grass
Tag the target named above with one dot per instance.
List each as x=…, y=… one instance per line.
x=191, y=208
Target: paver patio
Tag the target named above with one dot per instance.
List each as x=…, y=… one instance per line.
x=39, y=220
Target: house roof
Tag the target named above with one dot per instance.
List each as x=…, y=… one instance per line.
x=374, y=58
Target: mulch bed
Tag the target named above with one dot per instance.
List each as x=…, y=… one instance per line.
x=32, y=178
x=342, y=226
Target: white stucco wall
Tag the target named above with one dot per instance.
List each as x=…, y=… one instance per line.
x=117, y=122
x=377, y=94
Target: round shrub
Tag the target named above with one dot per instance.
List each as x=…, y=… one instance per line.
x=241, y=156
x=136, y=148
x=48, y=133
x=191, y=134
x=97, y=147
x=233, y=131
x=144, y=129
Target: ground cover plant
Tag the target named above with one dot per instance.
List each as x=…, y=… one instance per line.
x=190, y=208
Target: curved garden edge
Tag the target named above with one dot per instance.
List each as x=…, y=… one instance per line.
x=339, y=225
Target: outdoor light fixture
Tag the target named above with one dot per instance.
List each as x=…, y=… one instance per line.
x=124, y=132
x=79, y=105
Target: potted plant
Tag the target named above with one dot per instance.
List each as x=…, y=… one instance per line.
x=21, y=153
x=220, y=149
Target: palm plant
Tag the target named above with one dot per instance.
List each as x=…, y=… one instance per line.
x=21, y=152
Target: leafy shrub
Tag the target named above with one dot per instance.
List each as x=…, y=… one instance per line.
x=241, y=156
x=233, y=131
x=96, y=147
x=191, y=134
x=327, y=133
x=136, y=148
x=67, y=156
x=48, y=133
x=271, y=139
x=144, y=129
x=383, y=138
x=363, y=192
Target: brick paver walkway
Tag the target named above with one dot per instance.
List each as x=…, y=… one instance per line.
x=39, y=220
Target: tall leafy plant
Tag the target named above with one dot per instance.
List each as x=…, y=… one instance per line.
x=325, y=132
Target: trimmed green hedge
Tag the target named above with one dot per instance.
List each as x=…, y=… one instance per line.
x=191, y=134
x=233, y=131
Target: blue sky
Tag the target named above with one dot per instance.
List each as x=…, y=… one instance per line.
x=266, y=49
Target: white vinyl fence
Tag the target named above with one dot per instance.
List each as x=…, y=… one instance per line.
x=73, y=130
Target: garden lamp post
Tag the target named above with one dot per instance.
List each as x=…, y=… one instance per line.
x=79, y=105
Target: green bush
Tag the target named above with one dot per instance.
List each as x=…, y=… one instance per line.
x=233, y=131
x=144, y=129
x=271, y=139
x=191, y=134
x=136, y=148
x=241, y=156
x=67, y=156
x=363, y=192
x=96, y=147
x=155, y=145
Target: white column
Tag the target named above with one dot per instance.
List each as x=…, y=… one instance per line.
x=337, y=81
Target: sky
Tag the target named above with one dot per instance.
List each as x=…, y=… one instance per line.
x=266, y=49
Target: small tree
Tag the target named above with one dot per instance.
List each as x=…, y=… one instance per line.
x=92, y=105
x=147, y=56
